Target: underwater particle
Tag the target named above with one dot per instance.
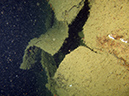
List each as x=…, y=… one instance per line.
x=70, y=85
x=52, y=7
x=53, y=39
x=38, y=4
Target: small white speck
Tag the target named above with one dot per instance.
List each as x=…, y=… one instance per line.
x=111, y=37
x=70, y=85
x=123, y=40
x=17, y=76
x=54, y=39
x=38, y=3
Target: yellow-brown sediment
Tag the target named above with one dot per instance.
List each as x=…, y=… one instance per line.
x=115, y=46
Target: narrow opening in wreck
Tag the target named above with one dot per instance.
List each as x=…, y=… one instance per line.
x=74, y=40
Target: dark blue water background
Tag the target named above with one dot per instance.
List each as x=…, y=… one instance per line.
x=20, y=21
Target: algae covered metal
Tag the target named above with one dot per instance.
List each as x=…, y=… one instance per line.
x=101, y=67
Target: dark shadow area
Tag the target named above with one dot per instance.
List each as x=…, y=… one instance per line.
x=41, y=80
x=73, y=41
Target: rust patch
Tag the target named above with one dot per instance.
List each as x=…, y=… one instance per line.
x=116, y=44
